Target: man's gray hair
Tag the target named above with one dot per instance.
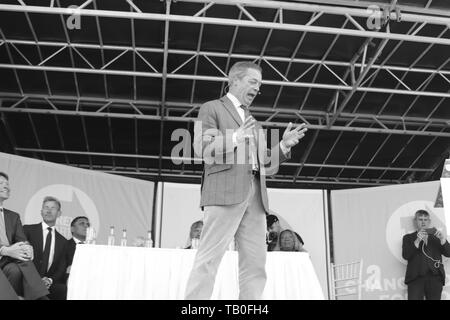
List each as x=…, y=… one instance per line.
x=50, y=198
x=239, y=69
x=421, y=213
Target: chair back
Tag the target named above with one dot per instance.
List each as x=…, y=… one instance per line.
x=346, y=280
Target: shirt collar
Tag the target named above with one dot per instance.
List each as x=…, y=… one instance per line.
x=45, y=226
x=77, y=241
x=234, y=100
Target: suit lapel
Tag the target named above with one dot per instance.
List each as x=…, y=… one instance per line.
x=39, y=234
x=231, y=109
x=58, y=245
x=9, y=225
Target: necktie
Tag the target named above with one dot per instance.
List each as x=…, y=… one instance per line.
x=3, y=237
x=253, y=147
x=46, y=255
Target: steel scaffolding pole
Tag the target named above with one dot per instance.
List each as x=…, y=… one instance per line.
x=263, y=123
x=244, y=56
x=224, y=79
x=151, y=106
x=249, y=23
x=192, y=160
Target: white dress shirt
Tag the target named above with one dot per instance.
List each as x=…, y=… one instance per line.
x=241, y=113
x=52, y=245
x=77, y=241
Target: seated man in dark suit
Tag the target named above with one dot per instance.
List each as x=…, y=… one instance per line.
x=423, y=249
x=15, y=252
x=78, y=227
x=49, y=249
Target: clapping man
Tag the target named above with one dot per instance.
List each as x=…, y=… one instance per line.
x=423, y=249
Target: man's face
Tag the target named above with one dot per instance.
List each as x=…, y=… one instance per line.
x=50, y=212
x=247, y=87
x=4, y=188
x=275, y=227
x=423, y=222
x=79, y=228
x=196, y=232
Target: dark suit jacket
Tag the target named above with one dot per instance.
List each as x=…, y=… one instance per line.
x=57, y=270
x=14, y=231
x=71, y=246
x=418, y=263
x=224, y=181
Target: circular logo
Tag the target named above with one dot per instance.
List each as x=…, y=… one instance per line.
x=401, y=222
x=74, y=203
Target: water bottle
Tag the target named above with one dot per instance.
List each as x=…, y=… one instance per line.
x=149, y=241
x=123, y=241
x=111, y=238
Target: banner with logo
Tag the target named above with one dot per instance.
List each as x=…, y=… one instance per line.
x=300, y=210
x=305, y=212
x=369, y=223
x=180, y=209
x=106, y=199
x=443, y=199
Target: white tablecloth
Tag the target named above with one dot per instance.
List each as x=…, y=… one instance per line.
x=121, y=273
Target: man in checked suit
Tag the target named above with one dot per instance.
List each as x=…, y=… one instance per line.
x=16, y=253
x=49, y=248
x=233, y=194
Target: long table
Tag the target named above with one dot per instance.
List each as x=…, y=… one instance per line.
x=121, y=273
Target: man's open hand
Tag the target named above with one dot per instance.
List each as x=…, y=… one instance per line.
x=292, y=136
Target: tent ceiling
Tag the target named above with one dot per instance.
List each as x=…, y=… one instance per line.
x=109, y=95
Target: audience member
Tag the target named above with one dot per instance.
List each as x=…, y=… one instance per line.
x=273, y=232
x=273, y=223
x=49, y=248
x=195, y=233
x=290, y=241
x=78, y=228
x=16, y=254
x=423, y=249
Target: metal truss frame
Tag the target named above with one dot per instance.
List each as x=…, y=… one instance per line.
x=359, y=76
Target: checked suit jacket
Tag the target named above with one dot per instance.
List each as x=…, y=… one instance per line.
x=226, y=181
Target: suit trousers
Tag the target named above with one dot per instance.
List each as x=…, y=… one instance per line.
x=25, y=279
x=246, y=222
x=428, y=286
x=6, y=290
